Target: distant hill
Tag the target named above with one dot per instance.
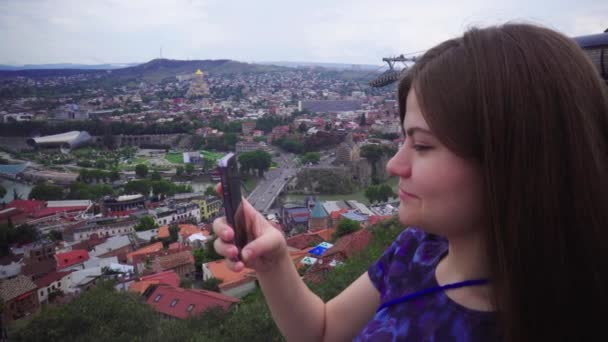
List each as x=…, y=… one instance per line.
x=65, y=66
x=153, y=70
x=157, y=69
x=334, y=66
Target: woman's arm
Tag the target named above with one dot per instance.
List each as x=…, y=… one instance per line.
x=303, y=316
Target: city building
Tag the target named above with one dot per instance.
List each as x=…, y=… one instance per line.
x=295, y=217
x=123, y=205
x=100, y=227
x=19, y=298
x=72, y=260
x=247, y=127
x=192, y=158
x=210, y=206
x=318, y=218
x=248, y=146
x=198, y=86
x=168, y=278
x=183, y=212
x=64, y=141
x=54, y=282
x=177, y=303
x=182, y=263
x=185, y=230
x=234, y=284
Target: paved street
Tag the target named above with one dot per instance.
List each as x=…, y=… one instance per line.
x=268, y=188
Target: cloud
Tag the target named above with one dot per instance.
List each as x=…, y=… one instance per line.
x=355, y=31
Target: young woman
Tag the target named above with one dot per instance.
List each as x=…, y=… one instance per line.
x=504, y=175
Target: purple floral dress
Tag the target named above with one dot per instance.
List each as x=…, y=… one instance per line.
x=406, y=267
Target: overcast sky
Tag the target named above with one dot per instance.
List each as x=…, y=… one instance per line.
x=344, y=31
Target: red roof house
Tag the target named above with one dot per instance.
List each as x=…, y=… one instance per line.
x=180, y=303
x=167, y=278
x=72, y=258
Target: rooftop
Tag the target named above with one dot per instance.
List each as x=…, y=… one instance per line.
x=230, y=279
x=71, y=258
x=181, y=303
x=15, y=287
x=155, y=247
x=185, y=230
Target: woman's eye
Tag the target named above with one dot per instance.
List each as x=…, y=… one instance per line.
x=421, y=147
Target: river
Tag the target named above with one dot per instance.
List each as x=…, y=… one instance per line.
x=23, y=190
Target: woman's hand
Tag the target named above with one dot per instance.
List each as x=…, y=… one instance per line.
x=266, y=245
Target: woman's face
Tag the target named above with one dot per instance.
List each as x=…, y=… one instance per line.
x=440, y=192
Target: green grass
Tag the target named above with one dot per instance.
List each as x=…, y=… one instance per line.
x=175, y=157
x=358, y=196
x=139, y=160
x=214, y=155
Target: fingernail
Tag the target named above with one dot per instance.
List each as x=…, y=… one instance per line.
x=246, y=254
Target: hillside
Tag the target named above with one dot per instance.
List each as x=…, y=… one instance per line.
x=153, y=70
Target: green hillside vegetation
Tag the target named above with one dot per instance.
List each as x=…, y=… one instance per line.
x=102, y=314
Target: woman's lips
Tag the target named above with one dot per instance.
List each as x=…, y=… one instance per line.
x=404, y=195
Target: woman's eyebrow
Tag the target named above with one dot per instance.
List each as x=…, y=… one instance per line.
x=412, y=130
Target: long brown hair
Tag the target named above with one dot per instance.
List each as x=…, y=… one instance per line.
x=527, y=105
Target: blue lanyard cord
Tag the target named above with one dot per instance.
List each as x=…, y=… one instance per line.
x=432, y=290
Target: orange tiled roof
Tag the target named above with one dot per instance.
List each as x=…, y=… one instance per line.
x=167, y=262
x=185, y=230
x=325, y=234
x=351, y=243
x=141, y=286
x=230, y=278
x=337, y=213
x=181, y=303
x=155, y=247
x=296, y=256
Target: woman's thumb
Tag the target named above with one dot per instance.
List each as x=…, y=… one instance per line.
x=262, y=245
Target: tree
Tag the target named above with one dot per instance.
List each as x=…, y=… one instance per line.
x=311, y=157
x=47, y=192
x=179, y=171
x=385, y=192
x=373, y=153
x=100, y=314
x=173, y=232
x=371, y=193
x=302, y=127
x=146, y=223
x=345, y=227
x=155, y=176
x=255, y=160
x=362, y=120
x=2, y=191
x=55, y=235
x=210, y=191
x=189, y=168
x=141, y=170
x=138, y=186
x=211, y=284
x=205, y=255
x=230, y=140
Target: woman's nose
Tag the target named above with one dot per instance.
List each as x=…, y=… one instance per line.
x=399, y=165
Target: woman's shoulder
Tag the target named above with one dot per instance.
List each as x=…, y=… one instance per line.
x=407, y=262
x=414, y=245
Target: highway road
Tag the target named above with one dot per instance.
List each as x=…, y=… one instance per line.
x=268, y=188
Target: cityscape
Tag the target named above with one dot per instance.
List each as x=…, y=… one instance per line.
x=108, y=177
x=108, y=166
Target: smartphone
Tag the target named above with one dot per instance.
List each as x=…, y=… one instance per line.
x=231, y=193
